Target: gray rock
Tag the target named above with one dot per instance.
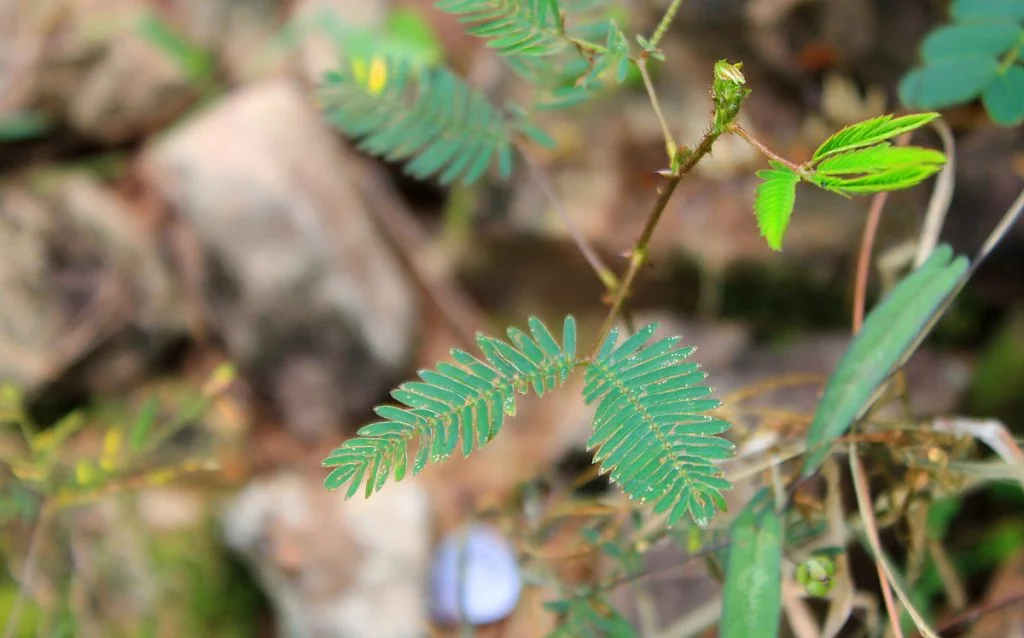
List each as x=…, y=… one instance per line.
x=82, y=284
x=334, y=568
x=306, y=295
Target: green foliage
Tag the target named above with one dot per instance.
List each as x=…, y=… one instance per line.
x=512, y=27
x=773, y=204
x=432, y=118
x=979, y=54
x=413, y=36
x=856, y=160
x=890, y=334
x=23, y=125
x=752, y=601
x=194, y=61
x=870, y=132
x=729, y=90
x=588, y=617
x=651, y=428
x=466, y=399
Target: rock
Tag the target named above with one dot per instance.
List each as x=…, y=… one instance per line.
x=112, y=83
x=336, y=568
x=474, y=577
x=306, y=295
x=83, y=286
x=134, y=89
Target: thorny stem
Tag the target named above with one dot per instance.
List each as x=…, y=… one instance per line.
x=639, y=254
x=670, y=143
x=765, y=150
x=666, y=20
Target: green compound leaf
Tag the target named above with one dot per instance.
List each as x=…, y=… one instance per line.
x=651, y=429
x=891, y=179
x=947, y=82
x=1004, y=97
x=870, y=132
x=891, y=332
x=964, y=10
x=773, y=204
x=512, y=27
x=464, y=400
x=972, y=39
x=878, y=158
x=752, y=601
x=429, y=117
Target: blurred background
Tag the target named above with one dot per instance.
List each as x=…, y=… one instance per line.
x=204, y=289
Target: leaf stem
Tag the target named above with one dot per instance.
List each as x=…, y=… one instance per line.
x=766, y=150
x=670, y=143
x=666, y=21
x=638, y=255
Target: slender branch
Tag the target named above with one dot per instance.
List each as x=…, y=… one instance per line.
x=666, y=21
x=871, y=531
x=670, y=143
x=639, y=254
x=765, y=149
x=864, y=258
x=604, y=273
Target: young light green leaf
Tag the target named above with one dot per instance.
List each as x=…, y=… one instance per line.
x=890, y=333
x=773, y=204
x=947, y=82
x=1004, y=97
x=971, y=39
x=880, y=157
x=893, y=179
x=752, y=601
x=871, y=132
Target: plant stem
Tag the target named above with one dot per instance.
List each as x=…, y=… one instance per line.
x=670, y=143
x=864, y=259
x=666, y=21
x=604, y=273
x=639, y=253
x=765, y=150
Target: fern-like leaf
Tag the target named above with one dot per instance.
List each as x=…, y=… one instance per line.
x=651, y=429
x=870, y=132
x=880, y=157
x=895, y=178
x=773, y=205
x=430, y=117
x=464, y=400
x=512, y=27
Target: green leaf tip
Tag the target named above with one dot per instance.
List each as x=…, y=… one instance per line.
x=870, y=132
x=889, y=335
x=653, y=433
x=774, y=201
x=465, y=399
